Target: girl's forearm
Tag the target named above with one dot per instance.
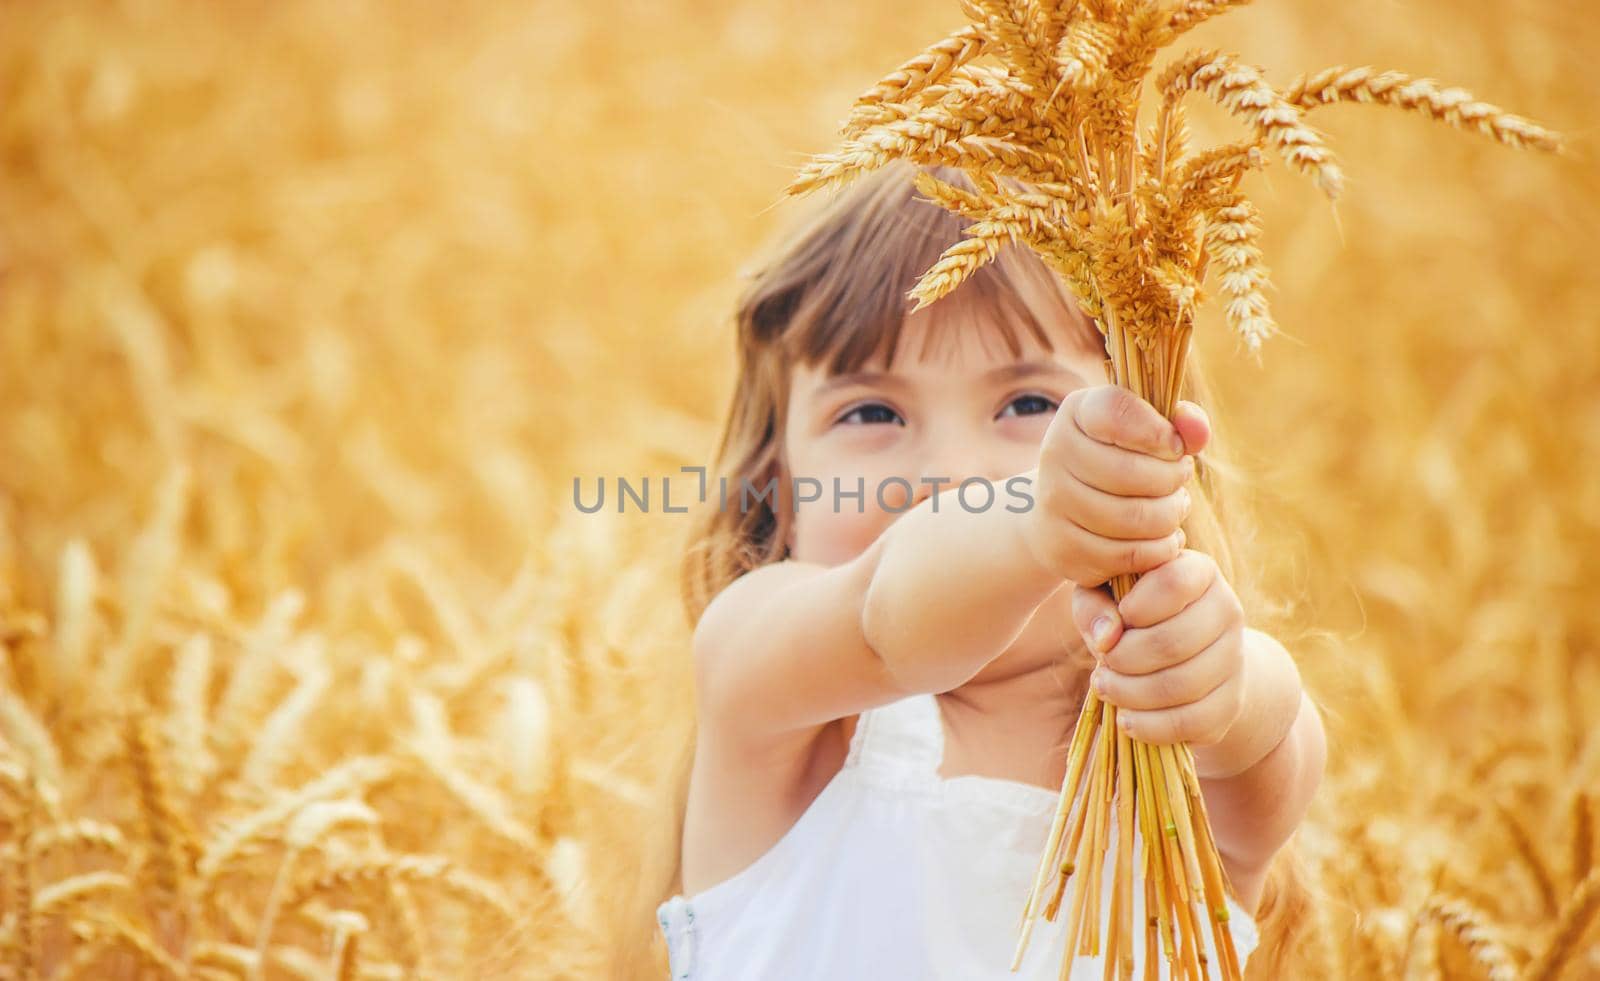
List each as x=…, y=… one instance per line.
x=953, y=588
x=1271, y=703
x=1257, y=796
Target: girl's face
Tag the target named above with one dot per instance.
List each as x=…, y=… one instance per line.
x=968, y=410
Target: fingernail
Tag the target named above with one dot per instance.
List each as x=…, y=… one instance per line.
x=1183, y=539
x=1176, y=442
x=1189, y=464
x=1187, y=502
x=1100, y=631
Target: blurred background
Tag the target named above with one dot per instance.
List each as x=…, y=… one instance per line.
x=310, y=312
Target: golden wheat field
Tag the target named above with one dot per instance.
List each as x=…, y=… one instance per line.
x=310, y=313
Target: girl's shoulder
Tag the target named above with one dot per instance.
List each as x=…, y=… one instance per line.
x=780, y=655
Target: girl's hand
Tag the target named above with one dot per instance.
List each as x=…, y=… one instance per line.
x=1111, y=481
x=1172, y=654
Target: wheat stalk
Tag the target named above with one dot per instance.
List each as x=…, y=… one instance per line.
x=1131, y=225
x=112, y=931
x=353, y=775
x=1527, y=849
x=1582, y=835
x=305, y=831
x=1571, y=924
x=175, y=853
x=348, y=926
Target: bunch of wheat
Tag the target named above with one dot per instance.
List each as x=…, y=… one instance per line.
x=1130, y=221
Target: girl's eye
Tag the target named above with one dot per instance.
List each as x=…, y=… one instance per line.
x=872, y=413
x=1028, y=405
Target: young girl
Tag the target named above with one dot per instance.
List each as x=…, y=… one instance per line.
x=891, y=650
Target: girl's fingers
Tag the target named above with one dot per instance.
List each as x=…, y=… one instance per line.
x=1192, y=422
x=1180, y=684
x=1164, y=591
x=1143, y=650
x=1116, y=517
x=1121, y=471
x=1088, y=605
x=1112, y=414
x=1202, y=723
x=1113, y=557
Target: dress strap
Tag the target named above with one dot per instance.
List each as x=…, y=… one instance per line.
x=906, y=735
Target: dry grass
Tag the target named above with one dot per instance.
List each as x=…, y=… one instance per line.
x=309, y=313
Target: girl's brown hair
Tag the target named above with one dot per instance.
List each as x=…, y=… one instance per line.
x=834, y=293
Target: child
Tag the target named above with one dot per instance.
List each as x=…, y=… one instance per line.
x=892, y=649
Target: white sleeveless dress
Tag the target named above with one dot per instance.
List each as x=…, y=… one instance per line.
x=895, y=872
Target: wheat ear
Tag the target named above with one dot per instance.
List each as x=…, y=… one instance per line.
x=1192, y=13
x=1240, y=89
x=1231, y=239
x=927, y=68
x=1452, y=106
x=1465, y=923
x=419, y=869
